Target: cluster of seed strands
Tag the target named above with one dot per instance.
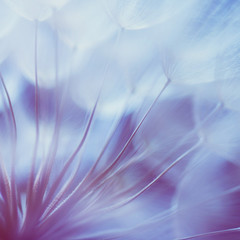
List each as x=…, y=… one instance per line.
x=62, y=210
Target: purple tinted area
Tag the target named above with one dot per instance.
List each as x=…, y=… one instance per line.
x=119, y=124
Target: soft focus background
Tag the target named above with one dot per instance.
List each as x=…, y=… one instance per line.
x=119, y=119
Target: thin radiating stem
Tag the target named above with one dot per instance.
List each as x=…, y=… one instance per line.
x=70, y=160
x=130, y=199
x=74, y=193
x=30, y=188
x=116, y=160
x=14, y=134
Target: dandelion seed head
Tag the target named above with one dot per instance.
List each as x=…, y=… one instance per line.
x=119, y=120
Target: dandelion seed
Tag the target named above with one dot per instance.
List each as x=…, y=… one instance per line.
x=119, y=120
